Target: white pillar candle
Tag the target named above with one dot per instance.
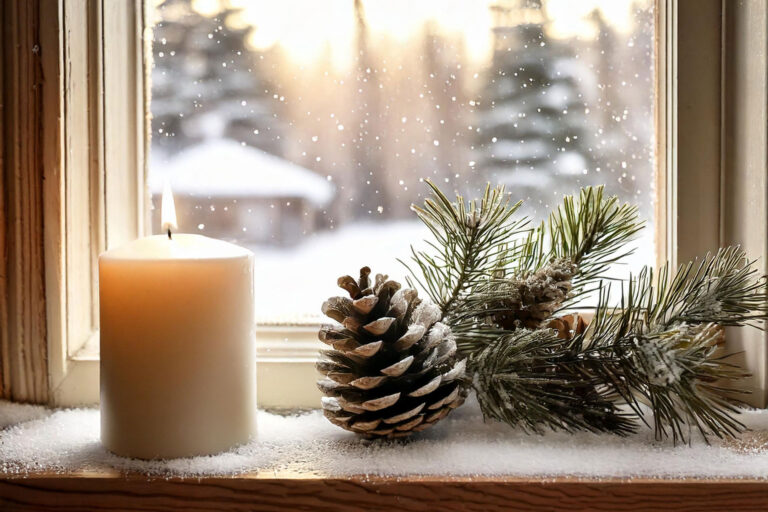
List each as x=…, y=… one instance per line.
x=177, y=347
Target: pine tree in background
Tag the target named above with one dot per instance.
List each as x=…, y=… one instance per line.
x=367, y=144
x=531, y=113
x=622, y=116
x=206, y=82
x=443, y=58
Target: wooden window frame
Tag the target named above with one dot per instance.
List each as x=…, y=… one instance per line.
x=88, y=138
x=744, y=164
x=102, y=141
x=712, y=132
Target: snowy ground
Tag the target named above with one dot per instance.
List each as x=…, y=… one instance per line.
x=292, y=283
x=68, y=440
x=296, y=280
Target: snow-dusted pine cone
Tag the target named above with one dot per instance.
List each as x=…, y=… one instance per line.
x=533, y=298
x=393, y=369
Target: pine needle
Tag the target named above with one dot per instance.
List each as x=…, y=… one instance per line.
x=471, y=238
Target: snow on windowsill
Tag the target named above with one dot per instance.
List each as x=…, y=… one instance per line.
x=35, y=439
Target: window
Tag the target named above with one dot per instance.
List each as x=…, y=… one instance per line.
x=388, y=70
x=304, y=130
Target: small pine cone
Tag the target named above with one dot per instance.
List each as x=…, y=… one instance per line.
x=568, y=326
x=533, y=298
x=393, y=369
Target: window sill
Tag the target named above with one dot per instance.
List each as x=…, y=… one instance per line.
x=286, y=374
x=298, y=491
x=302, y=462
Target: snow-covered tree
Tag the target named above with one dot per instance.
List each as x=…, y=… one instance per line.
x=206, y=83
x=369, y=184
x=531, y=113
x=622, y=113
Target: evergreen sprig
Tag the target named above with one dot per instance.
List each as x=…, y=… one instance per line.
x=536, y=380
x=470, y=239
x=554, y=265
x=501, y=293
x=667, y=335
x=724, y=288
x=591, y=231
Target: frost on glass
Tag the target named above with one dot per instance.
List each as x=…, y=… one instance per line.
x=303, y=129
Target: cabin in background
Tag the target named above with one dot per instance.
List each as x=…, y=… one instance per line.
x=232, y=191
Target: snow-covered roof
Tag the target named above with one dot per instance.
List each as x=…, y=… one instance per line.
x=223, y=167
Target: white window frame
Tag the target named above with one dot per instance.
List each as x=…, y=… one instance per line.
x=744, y=164
x=696, y=169
x=713, y=142
x=102, y=147
x=104, y=137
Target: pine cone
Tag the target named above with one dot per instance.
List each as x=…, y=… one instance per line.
x=393, y=369
x=568, y=326
x=533, y=298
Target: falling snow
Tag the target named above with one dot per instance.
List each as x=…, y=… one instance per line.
x=387, y=242
x=378, y=108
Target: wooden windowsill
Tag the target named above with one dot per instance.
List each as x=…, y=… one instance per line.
x=289, y=491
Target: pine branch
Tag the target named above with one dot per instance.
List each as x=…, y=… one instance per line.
x=579, y=383
x=536, y=380
x=665, y=337
x=555, y=264
x=681, y=371
x=724, y=288
x=590, y=232
x=659, y=346
x=470, y=239
x=678, y=372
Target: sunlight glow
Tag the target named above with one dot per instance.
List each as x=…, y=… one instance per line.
x=207, y=7
x=310, y=29
x=575, y=18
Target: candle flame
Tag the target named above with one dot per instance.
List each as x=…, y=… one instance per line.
x=168, y=210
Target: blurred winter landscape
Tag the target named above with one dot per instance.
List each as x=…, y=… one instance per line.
x=303, y=129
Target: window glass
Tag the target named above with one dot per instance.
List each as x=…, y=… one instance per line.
x=303, y=129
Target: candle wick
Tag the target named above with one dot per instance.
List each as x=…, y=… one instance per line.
x=169, y=234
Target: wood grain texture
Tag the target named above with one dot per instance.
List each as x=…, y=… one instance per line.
x=269, y=493
x=4, y=375
x=23, y=350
